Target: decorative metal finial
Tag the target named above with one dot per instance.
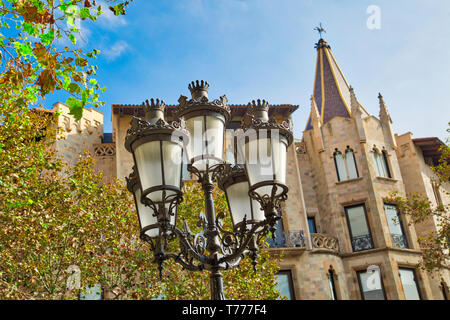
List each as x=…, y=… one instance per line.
x=154, y=110
x=320, y=29
x=199, y=89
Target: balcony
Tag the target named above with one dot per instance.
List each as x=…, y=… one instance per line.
x=399, y=241
x=287, y=239
x=363, y=242
x=324, y=242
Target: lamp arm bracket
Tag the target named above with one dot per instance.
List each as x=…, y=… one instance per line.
x=245, y=242
x=187, y=248
x=188, y=266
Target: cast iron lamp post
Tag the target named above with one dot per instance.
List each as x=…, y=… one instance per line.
x=255, y=187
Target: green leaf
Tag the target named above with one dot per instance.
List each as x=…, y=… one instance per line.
x=118, y=9
x=84, y=96
x=74, y=88
x=29, y=28
x=75, y=107
x=23, y=49
x=84, y=13
x=48, y=37
x=72, y=38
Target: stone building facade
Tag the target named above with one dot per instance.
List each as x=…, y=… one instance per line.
x=339, y=238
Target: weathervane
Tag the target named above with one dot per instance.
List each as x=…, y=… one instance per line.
x=320, y=29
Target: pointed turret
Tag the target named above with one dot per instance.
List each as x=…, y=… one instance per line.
x=357, y=115
x=386, y=121
x=331, y=90
x=384, y=114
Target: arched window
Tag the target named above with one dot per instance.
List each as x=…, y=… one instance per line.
x=351, y=164
x=444, y=290
x=382, y=163
x=345, y=165
x=332, y=283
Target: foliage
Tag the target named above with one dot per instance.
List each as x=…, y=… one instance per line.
x=59, y=222
x=62, y=223
x=435, y=245
x=39, y=55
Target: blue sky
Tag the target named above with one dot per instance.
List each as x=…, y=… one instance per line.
x=250, y=49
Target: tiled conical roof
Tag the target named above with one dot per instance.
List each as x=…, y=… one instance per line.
x=331, y=91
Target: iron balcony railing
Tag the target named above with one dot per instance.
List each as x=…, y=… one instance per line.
x=363, y=242
x=288, y=239
x=399, y=241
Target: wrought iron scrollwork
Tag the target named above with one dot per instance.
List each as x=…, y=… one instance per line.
x=194, y=253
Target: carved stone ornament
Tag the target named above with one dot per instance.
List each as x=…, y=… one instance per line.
x=66, y=122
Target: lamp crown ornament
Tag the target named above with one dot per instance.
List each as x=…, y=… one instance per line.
x=154, y=104
x=259, y=105
x=199, y=89
x=154, y=110
x=199, y=103
x=259, y=109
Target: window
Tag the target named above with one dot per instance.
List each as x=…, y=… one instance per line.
x=92, y=293
x=279, y=236
x=444, y=290
x=382, y=163
x=395, y=227
x=359, y=229
x=351, y=164
x=437, y=194
x=285, y=284
x=409, y=283
x=370, y=284
x=312, y=225
x=345, y=165
x=332, y=283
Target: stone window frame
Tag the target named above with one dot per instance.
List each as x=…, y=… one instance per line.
x=385, y=157
x=437, y=194
x=402, y=222
x=444, y=289
x=290, y=272
x=417, y=278
x=334, y=283
x=349, y=228
x=315, y=223
x=346, y=168
x=359, y=270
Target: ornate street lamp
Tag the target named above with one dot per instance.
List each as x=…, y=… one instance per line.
x=264, y=147
x=157, y=148
x=244, y=210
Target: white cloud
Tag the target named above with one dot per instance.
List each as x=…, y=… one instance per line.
x=116, y=50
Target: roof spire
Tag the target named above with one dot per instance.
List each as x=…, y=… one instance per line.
x=386, y=121
x=384, y=114
x=331, y=90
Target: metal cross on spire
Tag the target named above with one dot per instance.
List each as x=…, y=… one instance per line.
x=320, y=29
